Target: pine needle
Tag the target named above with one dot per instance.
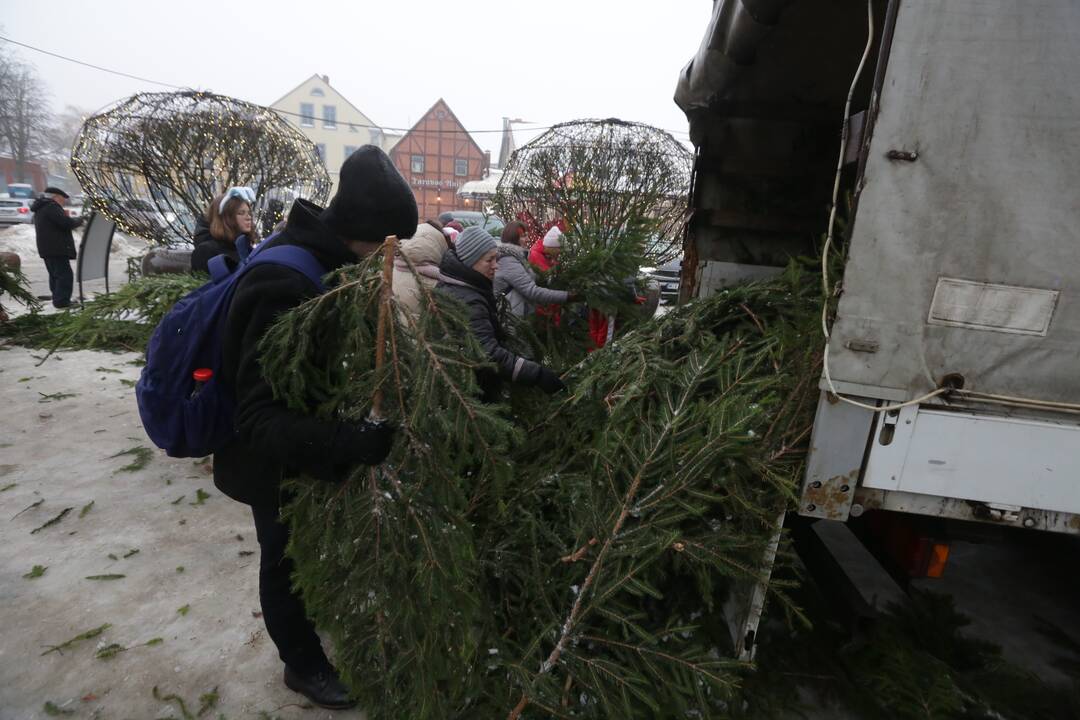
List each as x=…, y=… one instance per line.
x=110, y=576
x=142, y=456
x=55, y=396
x=48, y=523
x=36, y=572
x=85, y=509
x=28, y=507
x=88, y=635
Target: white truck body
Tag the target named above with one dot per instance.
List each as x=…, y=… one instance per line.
x=964, y=262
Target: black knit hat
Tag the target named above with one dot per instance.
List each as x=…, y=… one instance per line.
x=53, y=190
x=372, y=199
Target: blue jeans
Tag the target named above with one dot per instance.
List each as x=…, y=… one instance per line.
x=61, y=279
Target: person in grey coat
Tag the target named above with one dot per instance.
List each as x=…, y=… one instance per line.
x=466, y=274
x=515, y=278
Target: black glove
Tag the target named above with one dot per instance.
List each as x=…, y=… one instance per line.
x=549, y=382
x=370, y=442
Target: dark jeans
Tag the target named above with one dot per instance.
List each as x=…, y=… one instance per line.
x=283, y=609
x=61, y=279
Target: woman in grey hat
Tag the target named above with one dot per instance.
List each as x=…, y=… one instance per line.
x=466, y=273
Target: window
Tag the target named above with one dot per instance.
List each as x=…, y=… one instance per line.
x=329, y=117
x=317, y=92
x=321, y=148
x=461, y=167
x=307, y=115
x=417, y=163
x=349, y=150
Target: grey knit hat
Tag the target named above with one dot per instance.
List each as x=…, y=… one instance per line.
x=473, y=243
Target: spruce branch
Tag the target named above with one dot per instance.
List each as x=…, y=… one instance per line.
x=570, y=624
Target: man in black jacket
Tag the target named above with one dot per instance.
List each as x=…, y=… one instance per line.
x=55, y=244
x=273, y=442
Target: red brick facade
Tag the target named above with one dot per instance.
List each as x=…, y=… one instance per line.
x=436, y=157
x=34, y=173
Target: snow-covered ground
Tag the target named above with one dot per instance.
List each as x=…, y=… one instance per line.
x=64, y=422
x=19, y=239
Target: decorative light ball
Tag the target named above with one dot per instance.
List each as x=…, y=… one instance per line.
x=153, y=161
x=597, y=178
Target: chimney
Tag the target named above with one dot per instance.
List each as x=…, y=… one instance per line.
x=326, y=79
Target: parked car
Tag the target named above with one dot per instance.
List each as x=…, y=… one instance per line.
x=147, y=216
x=22, y=191
x=491, y=223
x=667, y=277
x=74, y=207
x=15, y=210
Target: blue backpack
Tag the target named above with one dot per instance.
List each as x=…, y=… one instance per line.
x=183, y=417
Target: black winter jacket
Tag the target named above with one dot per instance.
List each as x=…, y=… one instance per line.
x=272, y=441
x=52, y=228
x=474, y=290
x=207, y=246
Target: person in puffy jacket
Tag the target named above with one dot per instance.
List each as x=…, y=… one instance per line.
x=228, y=229
x=424, y=250
x=272, y=441
x=55, y=243
x=466, y=274
x=515, y=279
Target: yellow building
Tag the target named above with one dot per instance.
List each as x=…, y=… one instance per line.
x=335, y=125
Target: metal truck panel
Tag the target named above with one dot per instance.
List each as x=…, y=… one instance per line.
x=965, y=254
x=1003, y=461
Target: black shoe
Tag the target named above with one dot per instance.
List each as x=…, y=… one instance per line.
x=322, y=688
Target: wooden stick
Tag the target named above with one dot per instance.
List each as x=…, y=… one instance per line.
x=389, y=246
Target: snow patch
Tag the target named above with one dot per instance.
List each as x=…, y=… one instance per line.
x=20, y=239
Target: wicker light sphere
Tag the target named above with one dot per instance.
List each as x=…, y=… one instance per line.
x=597, y=177
x=153, y=161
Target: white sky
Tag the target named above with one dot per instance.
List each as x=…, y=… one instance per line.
x=544, y=62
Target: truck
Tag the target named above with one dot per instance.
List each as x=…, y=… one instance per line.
x=946, y=136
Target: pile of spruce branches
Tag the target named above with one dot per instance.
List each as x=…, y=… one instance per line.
x=563, y=557
x=121, y=321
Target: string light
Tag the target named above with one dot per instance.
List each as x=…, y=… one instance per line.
x=596, y=175
x=152, y=162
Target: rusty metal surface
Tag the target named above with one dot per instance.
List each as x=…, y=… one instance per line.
x=933, y=506
x=837, y=450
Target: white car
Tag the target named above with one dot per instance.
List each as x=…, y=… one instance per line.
x=15, y=210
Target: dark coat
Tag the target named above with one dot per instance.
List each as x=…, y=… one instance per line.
x=474, y=290
x=272, y=441
x=207, y=246
x=52, y=228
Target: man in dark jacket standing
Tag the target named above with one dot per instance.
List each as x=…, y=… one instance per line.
x=273, y=442
x=55, y=243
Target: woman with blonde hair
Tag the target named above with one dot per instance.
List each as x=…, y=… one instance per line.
x=228, y=229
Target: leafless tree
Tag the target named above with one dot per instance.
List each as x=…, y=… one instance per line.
x=24, y=111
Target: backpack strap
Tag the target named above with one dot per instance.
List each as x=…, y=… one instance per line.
x=219, y=267
x=291, y=256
